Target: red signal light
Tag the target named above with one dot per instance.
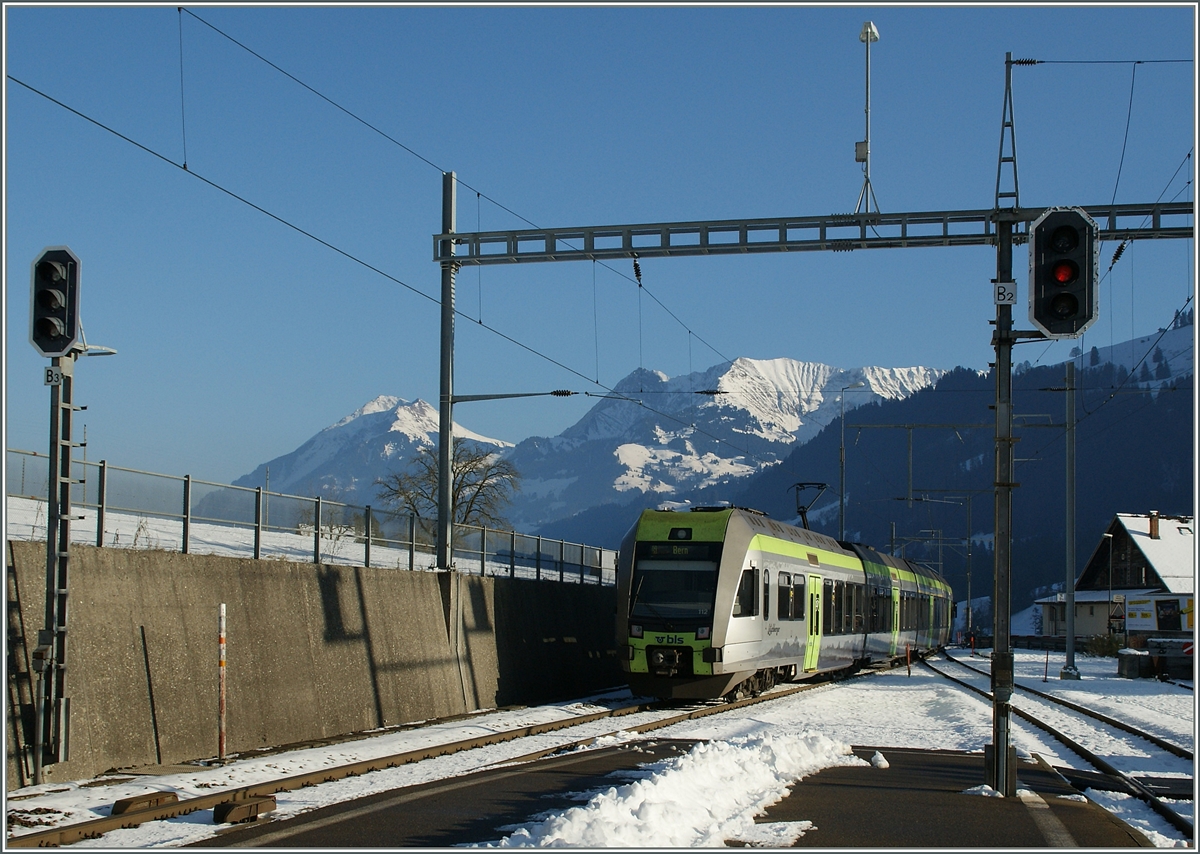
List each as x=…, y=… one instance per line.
x=1065, y=272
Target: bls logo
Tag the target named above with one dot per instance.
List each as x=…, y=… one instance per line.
x=668, y=639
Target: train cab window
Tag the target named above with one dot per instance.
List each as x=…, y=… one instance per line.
x=798, y=599
x=744, y=600
x=786, y=604
x=665, y=590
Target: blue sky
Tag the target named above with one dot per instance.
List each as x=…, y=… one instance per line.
x=238, y=337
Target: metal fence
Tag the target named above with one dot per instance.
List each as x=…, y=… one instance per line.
x=126, y=508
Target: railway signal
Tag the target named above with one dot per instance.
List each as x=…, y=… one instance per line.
x=54, y=302
x=1063, y=296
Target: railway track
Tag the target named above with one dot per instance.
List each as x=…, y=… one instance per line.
x=246, y=800
x=1116, y=779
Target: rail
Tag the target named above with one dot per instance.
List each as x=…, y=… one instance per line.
x=116, y=507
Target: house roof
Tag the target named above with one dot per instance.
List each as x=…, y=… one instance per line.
x=1173, y=554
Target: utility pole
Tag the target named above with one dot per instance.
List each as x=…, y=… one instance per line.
x=1070, y=671
x=445, y=520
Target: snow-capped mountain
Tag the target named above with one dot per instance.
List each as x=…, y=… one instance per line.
x=670, y=436
x=343, y=461
x=655, y=435
x=655, y=439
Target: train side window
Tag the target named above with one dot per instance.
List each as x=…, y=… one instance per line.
x=743, y=600
x=798, y=597
x=830, y=606
x=766, y=600
x=785, y=596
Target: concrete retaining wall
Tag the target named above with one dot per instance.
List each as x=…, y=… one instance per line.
x=313, y=651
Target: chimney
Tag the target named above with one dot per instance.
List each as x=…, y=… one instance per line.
x=1154, y=524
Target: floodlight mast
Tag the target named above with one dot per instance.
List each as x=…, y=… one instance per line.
x=862, y=150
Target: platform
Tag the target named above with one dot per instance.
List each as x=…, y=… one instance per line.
x=921, y=801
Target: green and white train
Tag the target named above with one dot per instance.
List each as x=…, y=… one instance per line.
x=726, y=602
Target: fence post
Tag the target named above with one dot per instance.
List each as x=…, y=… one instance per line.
x=101, y=499
x=187, y=512
x=367, y=549
x=538, y=562
x=412, y=541
x=482, y=552
x=258, y=522
x=512, y=557
x=317, y=534
x=562, y=560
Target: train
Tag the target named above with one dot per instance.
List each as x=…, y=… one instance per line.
x=725, y=602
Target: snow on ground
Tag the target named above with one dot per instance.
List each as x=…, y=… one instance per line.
x=703, y=798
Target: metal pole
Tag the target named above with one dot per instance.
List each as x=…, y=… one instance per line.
x=1109, y=537
x=367, y=541
x=842, y=464
x=58, y=545
x=969, y=539
x=317, y=533
x=1002, y=656
x=867, y=137
x=1070, y=671
x=258, y=519
x=187, y=512
x=445, y=554
x=101, y=502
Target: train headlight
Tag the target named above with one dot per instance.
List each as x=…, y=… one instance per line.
x=703, y=633
x=635, y=631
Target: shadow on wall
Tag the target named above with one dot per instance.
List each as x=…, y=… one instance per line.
x=554, y=641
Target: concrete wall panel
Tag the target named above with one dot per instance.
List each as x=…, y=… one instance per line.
x=313, y=651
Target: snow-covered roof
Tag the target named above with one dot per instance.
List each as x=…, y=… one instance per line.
x=1172, y=554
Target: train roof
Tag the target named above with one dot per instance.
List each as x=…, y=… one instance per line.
x=710, y=517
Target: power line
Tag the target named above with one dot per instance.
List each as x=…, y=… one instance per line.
x=423, y=159
x=611, y=393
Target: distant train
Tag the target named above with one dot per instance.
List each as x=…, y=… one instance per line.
x=725, y=602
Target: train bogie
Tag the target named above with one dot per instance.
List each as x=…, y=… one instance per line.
x=725, y=601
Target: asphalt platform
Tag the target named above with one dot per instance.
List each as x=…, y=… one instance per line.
x=923, y=800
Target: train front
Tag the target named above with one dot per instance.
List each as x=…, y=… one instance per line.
x=667, y=581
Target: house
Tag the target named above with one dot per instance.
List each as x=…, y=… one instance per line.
x=1139, y=578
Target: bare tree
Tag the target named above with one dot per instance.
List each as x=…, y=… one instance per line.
x=482, y=486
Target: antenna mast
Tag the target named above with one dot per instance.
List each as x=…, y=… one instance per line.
x=862, y=150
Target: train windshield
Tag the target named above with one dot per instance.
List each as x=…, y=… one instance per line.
x=673, y=589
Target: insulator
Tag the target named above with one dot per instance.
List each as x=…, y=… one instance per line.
x=1026, y=61
x=637, y=271
x=1120, y=251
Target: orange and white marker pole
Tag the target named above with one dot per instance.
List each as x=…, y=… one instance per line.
x=221, y=685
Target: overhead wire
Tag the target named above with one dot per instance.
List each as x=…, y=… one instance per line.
x=611, y=393
x=182, y=102
x=422, y=158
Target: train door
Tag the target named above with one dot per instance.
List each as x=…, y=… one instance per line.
x=812, y=649
x=895, y=615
